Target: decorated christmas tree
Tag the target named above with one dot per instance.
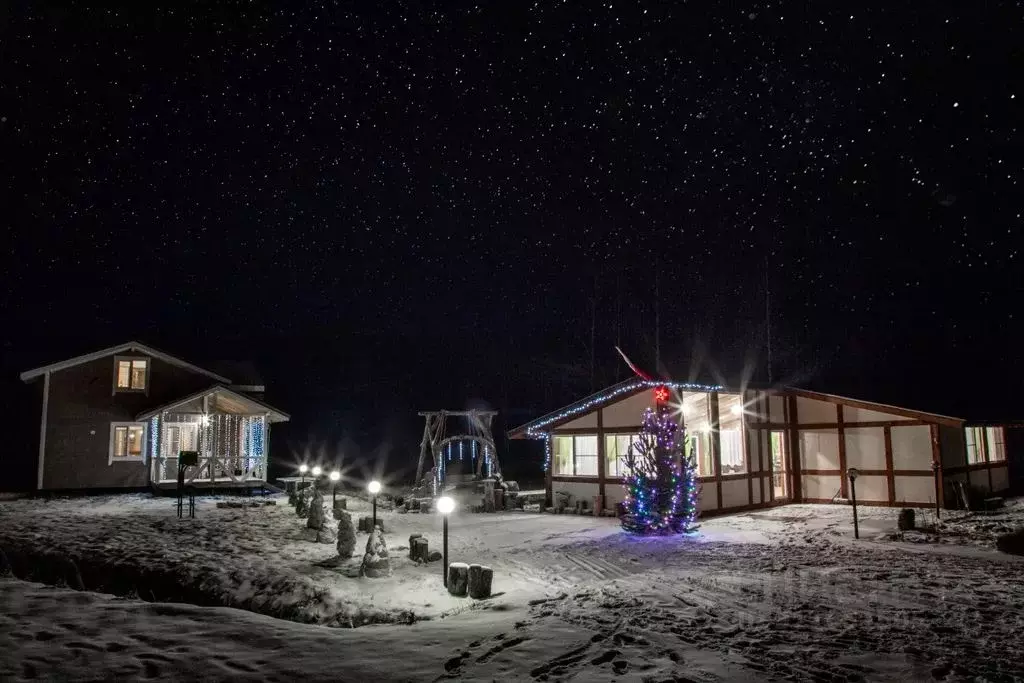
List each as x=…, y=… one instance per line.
x=661, y=476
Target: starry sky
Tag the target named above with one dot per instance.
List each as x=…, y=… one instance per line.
x=410, y=205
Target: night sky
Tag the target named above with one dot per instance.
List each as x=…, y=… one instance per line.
x=401, y=206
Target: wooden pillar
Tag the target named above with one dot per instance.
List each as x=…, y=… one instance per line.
x=988, y=457
x=762, y=417
x=889, y=475
x=716, y=443
x=844, y=490
x=601, y=466
x=793, y=452
x=745, y=433
x=940, y=484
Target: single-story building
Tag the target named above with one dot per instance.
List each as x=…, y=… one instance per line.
x=758, y=447
x=119, y=418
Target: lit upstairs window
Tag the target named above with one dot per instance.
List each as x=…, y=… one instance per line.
x=131, y=374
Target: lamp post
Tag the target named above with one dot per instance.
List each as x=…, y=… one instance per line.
x=853, y=473
x=374, y=488
x=335, y=476
x=317, y=471
x=303, y=468
x=445, y=505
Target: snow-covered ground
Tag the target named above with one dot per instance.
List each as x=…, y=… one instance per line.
x=776, y=594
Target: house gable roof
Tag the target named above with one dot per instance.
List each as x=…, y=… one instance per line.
x=880, y=407
x=128, y=347
x=618, y=392
x=228, y=401
x=614, y=393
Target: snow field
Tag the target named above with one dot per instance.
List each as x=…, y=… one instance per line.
x=779, y=594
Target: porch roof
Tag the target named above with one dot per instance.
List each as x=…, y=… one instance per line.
x=221, y=400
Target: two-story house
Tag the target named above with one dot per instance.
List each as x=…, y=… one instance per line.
x=119, y=418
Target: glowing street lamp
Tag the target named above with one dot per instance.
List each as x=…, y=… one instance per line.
x=335, y=476
x=445, y=505
x=317, y=471
x=303, y=468
x=374, y=488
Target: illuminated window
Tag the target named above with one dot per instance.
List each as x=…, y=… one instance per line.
x=732, y=452
x=996, y=444
x=127, y=441
x=730, y=416
x=975, y=441
x=575, y=456
x=615, y=448
x=700, y=449
x=130, y=374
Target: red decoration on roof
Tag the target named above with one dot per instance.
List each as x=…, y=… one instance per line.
x=661, y=394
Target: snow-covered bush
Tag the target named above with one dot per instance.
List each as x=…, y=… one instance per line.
x=346, y=535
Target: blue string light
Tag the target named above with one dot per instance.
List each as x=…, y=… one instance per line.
x=154, y=438
x=535, y=430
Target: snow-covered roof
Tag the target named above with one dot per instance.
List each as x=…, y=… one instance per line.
x=127, y=347
x=623, y=390
x=616, y=392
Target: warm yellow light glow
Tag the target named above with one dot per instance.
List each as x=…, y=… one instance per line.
x=373, y=487
x=445, y=505
x=737, y=409
x=335, y=475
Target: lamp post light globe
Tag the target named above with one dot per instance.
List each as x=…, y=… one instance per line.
x=317, y=471
x=303, y=468
x=335, y=476
x=445, y=505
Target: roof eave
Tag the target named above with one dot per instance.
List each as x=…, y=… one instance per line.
x=274, y=415
x=30, y=375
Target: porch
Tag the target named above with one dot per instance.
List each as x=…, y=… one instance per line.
x=227, y=429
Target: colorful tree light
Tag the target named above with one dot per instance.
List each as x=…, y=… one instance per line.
x=661, y=477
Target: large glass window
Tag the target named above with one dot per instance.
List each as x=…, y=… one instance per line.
x=996, y=444
x=975, y=441
x=127, y=440
x=730, y=419
x=562, y=455
x=131, y=374
x=732, y=452
x=615, y=448
x=575, y=455
x=585, y=455
x=700, y=450
x=696, y=409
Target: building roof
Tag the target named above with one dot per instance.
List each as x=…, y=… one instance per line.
x=630, y=387
x=224, y=400
x=616, y=392
x=127, y=347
